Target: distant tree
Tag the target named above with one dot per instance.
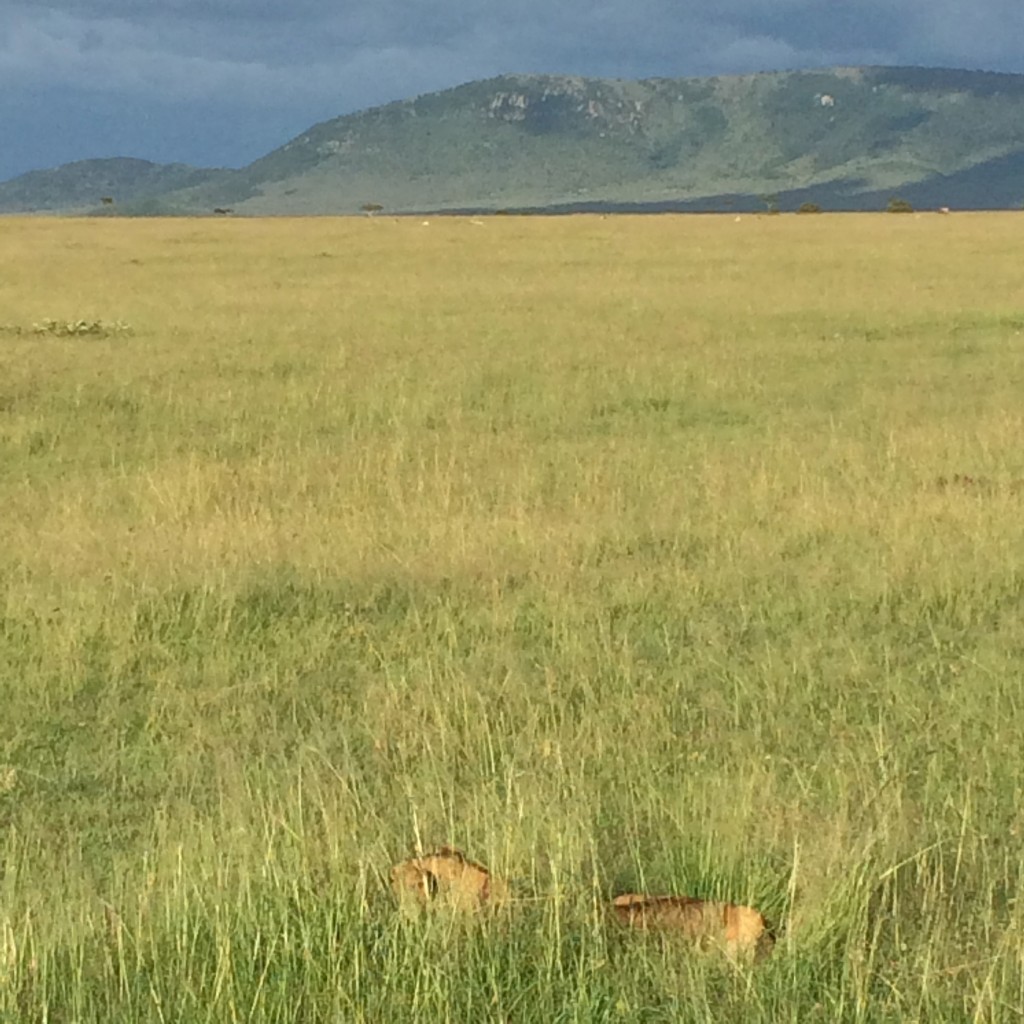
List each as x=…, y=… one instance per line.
x=771, y=202
x=897, y=205
x=107, y=200
x=371, y=208
x=223, y=209
x=808, y=208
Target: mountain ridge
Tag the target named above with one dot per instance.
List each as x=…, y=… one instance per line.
x=83, y=184
x=846, y=138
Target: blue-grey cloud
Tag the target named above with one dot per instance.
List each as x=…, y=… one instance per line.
x=229, y=79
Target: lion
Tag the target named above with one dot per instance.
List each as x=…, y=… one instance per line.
x=741, y=931
x=446, y=877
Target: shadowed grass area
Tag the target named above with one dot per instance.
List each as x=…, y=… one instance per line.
x=668, y=555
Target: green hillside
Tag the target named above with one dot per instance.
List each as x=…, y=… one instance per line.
x=847, y=138
x=85, y=184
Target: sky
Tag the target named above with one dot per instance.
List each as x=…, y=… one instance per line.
x=218, y=83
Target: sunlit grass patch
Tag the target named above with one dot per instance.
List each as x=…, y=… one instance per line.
x=624, y=555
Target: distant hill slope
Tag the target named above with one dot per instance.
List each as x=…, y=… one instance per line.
x=847, y=138
x=85, y=184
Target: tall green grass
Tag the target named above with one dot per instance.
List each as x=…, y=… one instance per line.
x=622, y=554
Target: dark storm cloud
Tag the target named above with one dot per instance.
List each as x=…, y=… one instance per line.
x=254, y=65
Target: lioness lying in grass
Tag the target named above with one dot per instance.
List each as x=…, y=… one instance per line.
x=446, y=877
x=741, y=931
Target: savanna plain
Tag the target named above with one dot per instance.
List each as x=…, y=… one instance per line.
x=668, y=554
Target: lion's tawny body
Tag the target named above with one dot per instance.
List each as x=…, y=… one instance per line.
x=447, y=878
x=740, y=931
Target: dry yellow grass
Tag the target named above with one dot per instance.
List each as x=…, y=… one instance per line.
x=617, y=550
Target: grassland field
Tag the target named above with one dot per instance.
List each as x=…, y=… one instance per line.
x=671, y=554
